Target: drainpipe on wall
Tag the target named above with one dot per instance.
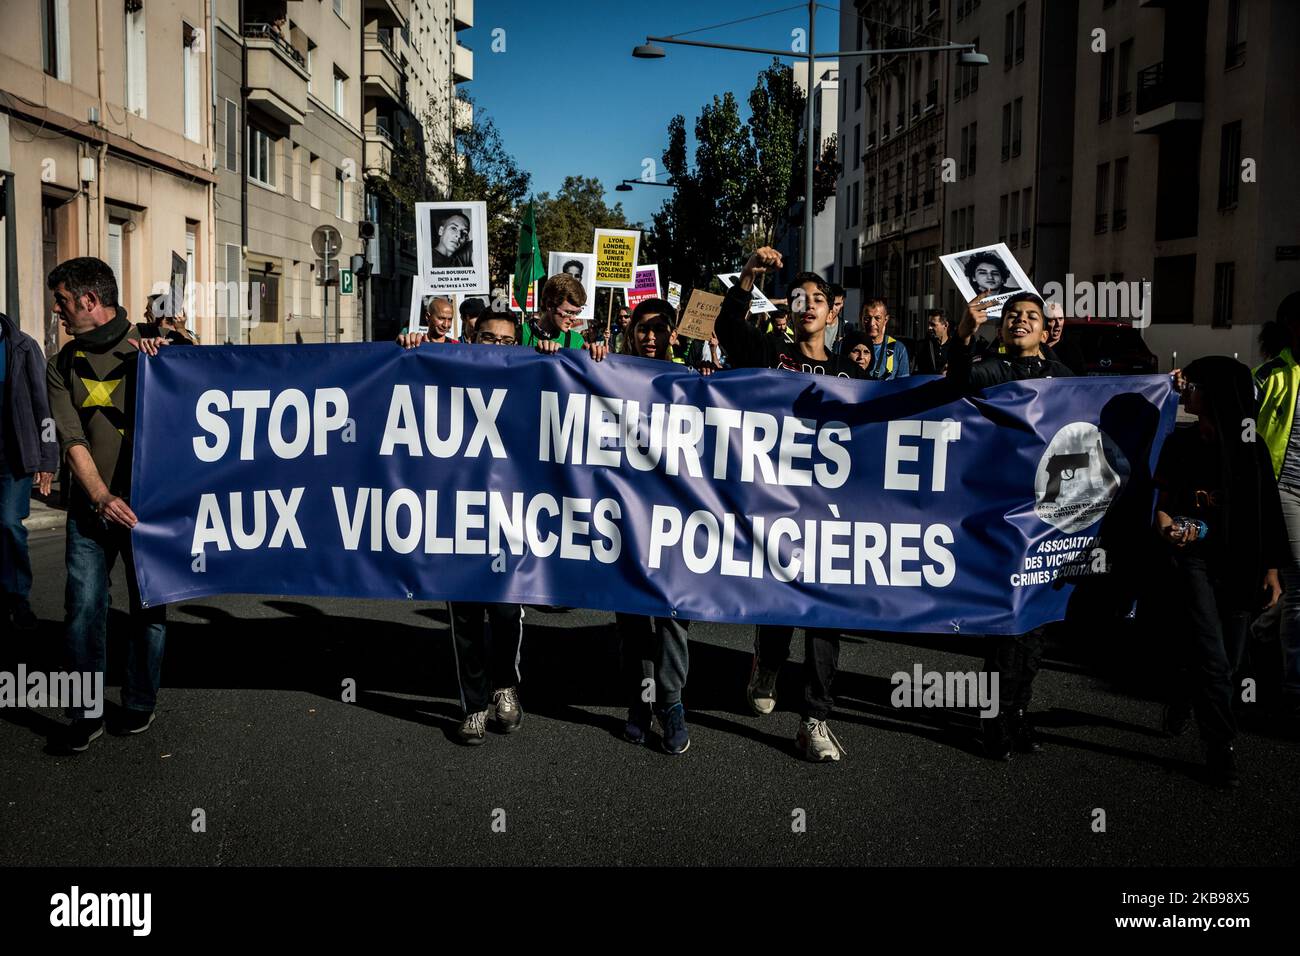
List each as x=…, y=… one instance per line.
x=243, y=172
x=100, y=229
x=209, y=332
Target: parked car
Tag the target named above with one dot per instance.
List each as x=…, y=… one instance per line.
x=1111, y=348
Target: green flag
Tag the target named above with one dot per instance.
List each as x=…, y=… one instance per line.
x=528, y=264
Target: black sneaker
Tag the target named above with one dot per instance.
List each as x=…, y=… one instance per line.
x=1023, y=736
x=1175, y=719
x=1221, y=767
x=135, y=721
x=997, y=738
x=22, y=616
x=638, y=723
x=76, y=737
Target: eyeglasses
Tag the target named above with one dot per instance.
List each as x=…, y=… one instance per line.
x=487, y=338
x=564, y=314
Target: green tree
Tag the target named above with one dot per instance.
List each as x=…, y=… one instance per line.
x=776, y=105
x=567, y=220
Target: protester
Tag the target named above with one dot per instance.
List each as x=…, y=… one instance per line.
x=655, y=648
x=933, y=358
x=470, y=310
x=1226, y=567
x=810, y=296
x=1015, y=658
x=835, y=331
x=486, y=638
x=889, y=358
x=712, y=357
x=1061, y=347
x=161, y=321
x=1279, y=386
x=91, y=385
x=562, y=300
x=438, y=314
x=778, y=324
x=856, y=345
x=29, y=453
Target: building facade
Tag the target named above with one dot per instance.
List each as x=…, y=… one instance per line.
x=826, y=94
x=106, y=150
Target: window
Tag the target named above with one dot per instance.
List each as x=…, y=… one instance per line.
x=115, y=235
x=1224, y=277
x=1008, y=40
x=871, y=201
x=857, y=144
x=1006, y=131
x=311, y=72
x=1102, y=201
x=1002, y=218
x=191, y=266
x=1016, y=116
x=136, y=47
x=964, y=155
x=340, y=93
x=1125, y=99
x=914, y=191
x=1026, y=216
x=340, y=193
x=232, y=135
x=1104, y=103
x=340, y=8
x=1229, y=165
x=1020, y=33
x=1013, y=231
x=261, y=157
x=56, y=54
x=229, y=302
x=191, y=79
x=857, y=88
x=974, y=129
x=315, y=166
x=1119, y=211
x=1236, y=52
x=853, y=205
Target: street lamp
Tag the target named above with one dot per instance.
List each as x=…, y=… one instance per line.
x=626, y=185
x=650, y=50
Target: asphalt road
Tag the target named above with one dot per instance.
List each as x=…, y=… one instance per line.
x=253, y=731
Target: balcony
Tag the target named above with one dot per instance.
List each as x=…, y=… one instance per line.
x=386, y=13
x=379, y=151
x=382, y=69
x=277, y=74
x=463, y=65
x=1166, y=96
x=463, y=11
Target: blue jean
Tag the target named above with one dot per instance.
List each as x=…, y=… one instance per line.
x=92, y=550
x=15, y=561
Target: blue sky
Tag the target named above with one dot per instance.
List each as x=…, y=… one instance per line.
x=578, y=56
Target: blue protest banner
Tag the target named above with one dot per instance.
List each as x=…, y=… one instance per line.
x=497, y=474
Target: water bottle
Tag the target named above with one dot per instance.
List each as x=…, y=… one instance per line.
x=1199, y=529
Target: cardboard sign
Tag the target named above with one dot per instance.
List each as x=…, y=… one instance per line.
x=761, y=303
x=645, y=287
x=675, y=294
x=700, y=315
x=616, y=251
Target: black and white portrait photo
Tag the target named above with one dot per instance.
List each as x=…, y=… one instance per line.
x=451, y=244
x=581, y=266
x=989, y=270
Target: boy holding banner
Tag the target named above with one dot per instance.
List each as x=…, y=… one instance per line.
x=562, y=300
x=1015, y=658
x=811, y=314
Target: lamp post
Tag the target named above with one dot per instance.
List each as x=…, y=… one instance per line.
x=626, y=185
x=650, y=50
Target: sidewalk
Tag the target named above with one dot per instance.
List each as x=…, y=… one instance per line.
x=44, y=516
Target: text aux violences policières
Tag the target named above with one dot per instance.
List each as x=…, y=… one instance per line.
x=676, y=439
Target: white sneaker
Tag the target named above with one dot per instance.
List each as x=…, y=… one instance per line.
x=473, y=728
x=816, y=742
x=762, y=689
x=509, y=714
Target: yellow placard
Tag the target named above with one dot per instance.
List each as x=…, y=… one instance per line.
x=616, y=253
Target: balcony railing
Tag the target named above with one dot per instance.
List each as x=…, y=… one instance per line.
x=1159, y=87
x=265, y=31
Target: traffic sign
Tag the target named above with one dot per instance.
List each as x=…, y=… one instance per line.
x=345, y=282
x=326, y=242
x=327, y=272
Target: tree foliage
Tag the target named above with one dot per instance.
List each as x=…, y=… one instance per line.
x=566, y=221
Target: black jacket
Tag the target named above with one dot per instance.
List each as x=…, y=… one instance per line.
x=26, y=405
x=996, y=369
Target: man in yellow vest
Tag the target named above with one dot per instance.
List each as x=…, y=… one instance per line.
x=1279, y=388
x=889, y=358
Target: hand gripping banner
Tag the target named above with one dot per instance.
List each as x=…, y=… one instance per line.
x=490, y=473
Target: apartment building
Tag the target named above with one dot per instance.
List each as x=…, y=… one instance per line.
x=1010, y=130
x=1185, y=143
x=105, y=150
x=902, y=152
x=848, y=192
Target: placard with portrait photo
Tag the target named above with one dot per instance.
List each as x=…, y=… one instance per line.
x=582, y=266
x=987, y=269
x=451, y=247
